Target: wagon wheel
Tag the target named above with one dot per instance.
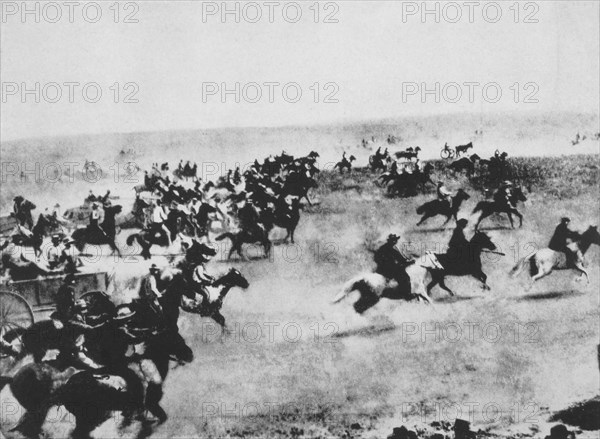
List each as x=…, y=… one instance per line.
x=15, y=317
x=446, y=153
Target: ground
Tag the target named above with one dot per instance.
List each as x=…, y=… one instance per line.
x=295, y=365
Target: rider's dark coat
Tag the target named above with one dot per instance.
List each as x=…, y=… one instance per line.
x=390, y=262
x=560, y=238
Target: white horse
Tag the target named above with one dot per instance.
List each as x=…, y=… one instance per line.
x=542, y=262
x=374, y=287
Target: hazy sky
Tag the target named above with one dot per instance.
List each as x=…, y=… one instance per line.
x=369, y=58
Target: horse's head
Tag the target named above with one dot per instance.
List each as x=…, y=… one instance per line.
x=518, y=194
x=352, y=158
x=482, y=240
x=591, y=235
x=233, y=278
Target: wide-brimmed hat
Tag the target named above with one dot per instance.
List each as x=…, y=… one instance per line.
x=462, y=222
x=393, y=237
x=123, y=312
x=565, y=219
x=153, y=268
x=18, y=198
x=55, y=238
x=507, y=183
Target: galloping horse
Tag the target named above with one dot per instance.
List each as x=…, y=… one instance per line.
x=542, y=262
x=373, y=287
x=36, y=238
x=149, y=237
x=466, y=262
x=489, y=207
x=260, y=235
x=345, y=163
x=85, y=236
x=441, y=207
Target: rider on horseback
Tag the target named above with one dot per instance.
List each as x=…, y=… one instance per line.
x=458, y=246
x=73, y=350
x=158, y=220
x=248, y=216
x=503, y=196
x=65, y=301
x=94, y=225
x=149, y=294
x=201, y=279
x=22, y=211
x=391, y=263
x=444, y=194
x=561, y=242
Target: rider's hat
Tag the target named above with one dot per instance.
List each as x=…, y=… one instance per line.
x=462, y=222
x=507, y=183
x=564, y=219
x=55, y=238
x=18, y=198
x=123, y=312
x=154, y=268
x=393, y=238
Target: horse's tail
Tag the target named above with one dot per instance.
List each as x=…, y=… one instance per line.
x=349, y=286
x=520, y=266
x=479, y=206
x=225, y=236
x=131, y=238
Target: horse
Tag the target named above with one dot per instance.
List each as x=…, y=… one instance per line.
x=90, y=395
x=373, y=287
x=377, y=161
x=461, y=149
x=21, y=268
x=441, y=207
x=464, y=164
x=150, y=236
x=489, y=207
x=86, y=235
x=212, y=309
x=36, y=238
x=543, y=261
x=466, y=262
x=345, y=163
x=260, y=235
x=287, y=220
x=298, y=184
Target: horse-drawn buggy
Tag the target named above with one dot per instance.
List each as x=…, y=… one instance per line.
x=21, y=300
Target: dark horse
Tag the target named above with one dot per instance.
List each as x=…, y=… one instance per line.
x=176, y=219
x=345, y=164
x=298, y=184
x=461, y=149
x=90, y=395
x=489, y=207
x=441, y=207
x=462, y=262
x=88, y=235
x=39, y=231
x=286, y=220
x=260, y=234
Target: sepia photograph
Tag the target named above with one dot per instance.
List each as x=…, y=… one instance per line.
x=311, y=219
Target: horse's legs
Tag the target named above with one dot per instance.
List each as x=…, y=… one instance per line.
x=444, y=286
x=579, y=267
x=425, y=217
x=483, y=278
x=512, y=225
